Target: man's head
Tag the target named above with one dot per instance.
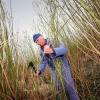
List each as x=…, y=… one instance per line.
x=39, y=39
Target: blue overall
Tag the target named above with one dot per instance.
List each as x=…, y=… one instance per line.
x=68, y=82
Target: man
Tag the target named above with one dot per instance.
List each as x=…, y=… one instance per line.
x=60, y=71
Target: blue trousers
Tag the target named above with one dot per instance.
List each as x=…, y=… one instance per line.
x=65, y=76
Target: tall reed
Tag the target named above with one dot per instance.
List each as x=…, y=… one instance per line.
x=76, y=23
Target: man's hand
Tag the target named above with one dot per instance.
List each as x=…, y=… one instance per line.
x=47, y=49
x=37, y=73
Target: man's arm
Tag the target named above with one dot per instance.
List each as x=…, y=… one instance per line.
x=41, y=66
x=61, y=50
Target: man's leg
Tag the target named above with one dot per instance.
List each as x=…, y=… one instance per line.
x=56, y=81
x=69, y=84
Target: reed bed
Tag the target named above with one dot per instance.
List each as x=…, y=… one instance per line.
x=76, y=23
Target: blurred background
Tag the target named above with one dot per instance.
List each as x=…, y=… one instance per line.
x=74, y=22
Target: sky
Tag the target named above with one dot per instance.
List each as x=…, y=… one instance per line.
x=23, y=14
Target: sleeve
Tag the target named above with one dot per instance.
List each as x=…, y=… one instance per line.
x=42, y=65
x=61, y=50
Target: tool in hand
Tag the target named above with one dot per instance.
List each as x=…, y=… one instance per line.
x=32, y=66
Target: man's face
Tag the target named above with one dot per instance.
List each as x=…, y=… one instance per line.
x=40, y=40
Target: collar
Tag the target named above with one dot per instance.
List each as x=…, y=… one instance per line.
x=44, y=44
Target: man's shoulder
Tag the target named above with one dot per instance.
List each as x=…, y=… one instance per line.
x=55, y=43
x=49, y=41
